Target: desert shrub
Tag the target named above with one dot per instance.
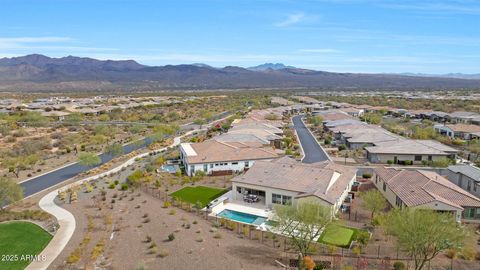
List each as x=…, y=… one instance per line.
x=367, y=175
x=172, y=212
x=357, y=250
x=451, y=253
x=153, y=250
x=389, y=162
x=74, y=256
x=171, y=237
x=398, y=266
x=124, y=186
x=363, y=237
x=342, y=147
x=166, y=204
x=148, y=239
x=163, y=253
x=217, y=236
x=468, y=253
x=199, y=240
x=98, y=249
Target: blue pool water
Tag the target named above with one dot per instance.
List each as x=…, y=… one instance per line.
x=242, y=217
x=169, y=168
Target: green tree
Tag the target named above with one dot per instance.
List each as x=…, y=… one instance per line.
x=33, y=119
x=135, y=179
x=372, y=118
x=373, y=201
x=114, y=150
x=423, y=233
x=315, y=120
x=73, y=119
x=20, y=163
x=10, y=192
x=200, y=122
x=310, y=218
x=88, y=159
x=441, y=163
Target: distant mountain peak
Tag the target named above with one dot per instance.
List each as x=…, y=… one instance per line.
x=270, y=66
x=39, y=72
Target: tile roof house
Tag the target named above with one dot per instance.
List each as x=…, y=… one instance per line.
x=402, y=150
x=465, y=176
x=463, y=117
x=426, y=189
x=216, y=156
x=461, y=131
x=286, y=181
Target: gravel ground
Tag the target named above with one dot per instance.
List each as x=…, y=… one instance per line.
x=138, y=215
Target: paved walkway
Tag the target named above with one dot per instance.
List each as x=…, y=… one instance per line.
x=66, y=220
x=312, y=150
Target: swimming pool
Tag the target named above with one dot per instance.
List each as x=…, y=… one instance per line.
x=242, y=217
x=169, y=168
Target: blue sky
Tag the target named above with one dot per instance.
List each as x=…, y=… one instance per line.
x=440, y=36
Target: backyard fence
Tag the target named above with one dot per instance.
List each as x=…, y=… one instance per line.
x=375, y=256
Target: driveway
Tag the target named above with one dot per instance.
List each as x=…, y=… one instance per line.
x=312, y=150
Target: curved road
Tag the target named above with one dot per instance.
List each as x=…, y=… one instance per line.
x=312, y=150
x=49, y=179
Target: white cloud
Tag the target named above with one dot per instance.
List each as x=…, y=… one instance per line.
x=61, y=44
x=291, y=20
x=18, y=42
x=319, y=50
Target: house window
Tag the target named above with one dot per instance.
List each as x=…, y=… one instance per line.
x=281, y=199
x=376, y=179
x=429, y=158
x=469, y=212
x=234, y=163
x=247, y=164
x=205, y=167
x=211, y=166
x=286, y=200
x=418, y=158
x=398, y=202
x=276, y=198
x=216, y=164
x=384, y=186
x=474, y=187
x=469, y=185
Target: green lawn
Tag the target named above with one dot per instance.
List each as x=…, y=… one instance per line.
x=338, y=235
x=18, y=239
x=201, y=194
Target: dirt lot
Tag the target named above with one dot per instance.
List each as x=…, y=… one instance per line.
x=126, y=221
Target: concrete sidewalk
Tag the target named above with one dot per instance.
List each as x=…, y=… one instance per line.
x=66, y=220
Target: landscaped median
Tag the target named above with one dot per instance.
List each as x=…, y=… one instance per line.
x=198, y=194
x=20, y=242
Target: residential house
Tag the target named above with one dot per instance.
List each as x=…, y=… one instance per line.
x=463, y=117
x=217, y=157
x=402, y=150
x=461, y=131
x=423, y=189
x=465, y=176
x=354, y=112
x=286, y=181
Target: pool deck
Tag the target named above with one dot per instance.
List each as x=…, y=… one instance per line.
x=239, y=207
